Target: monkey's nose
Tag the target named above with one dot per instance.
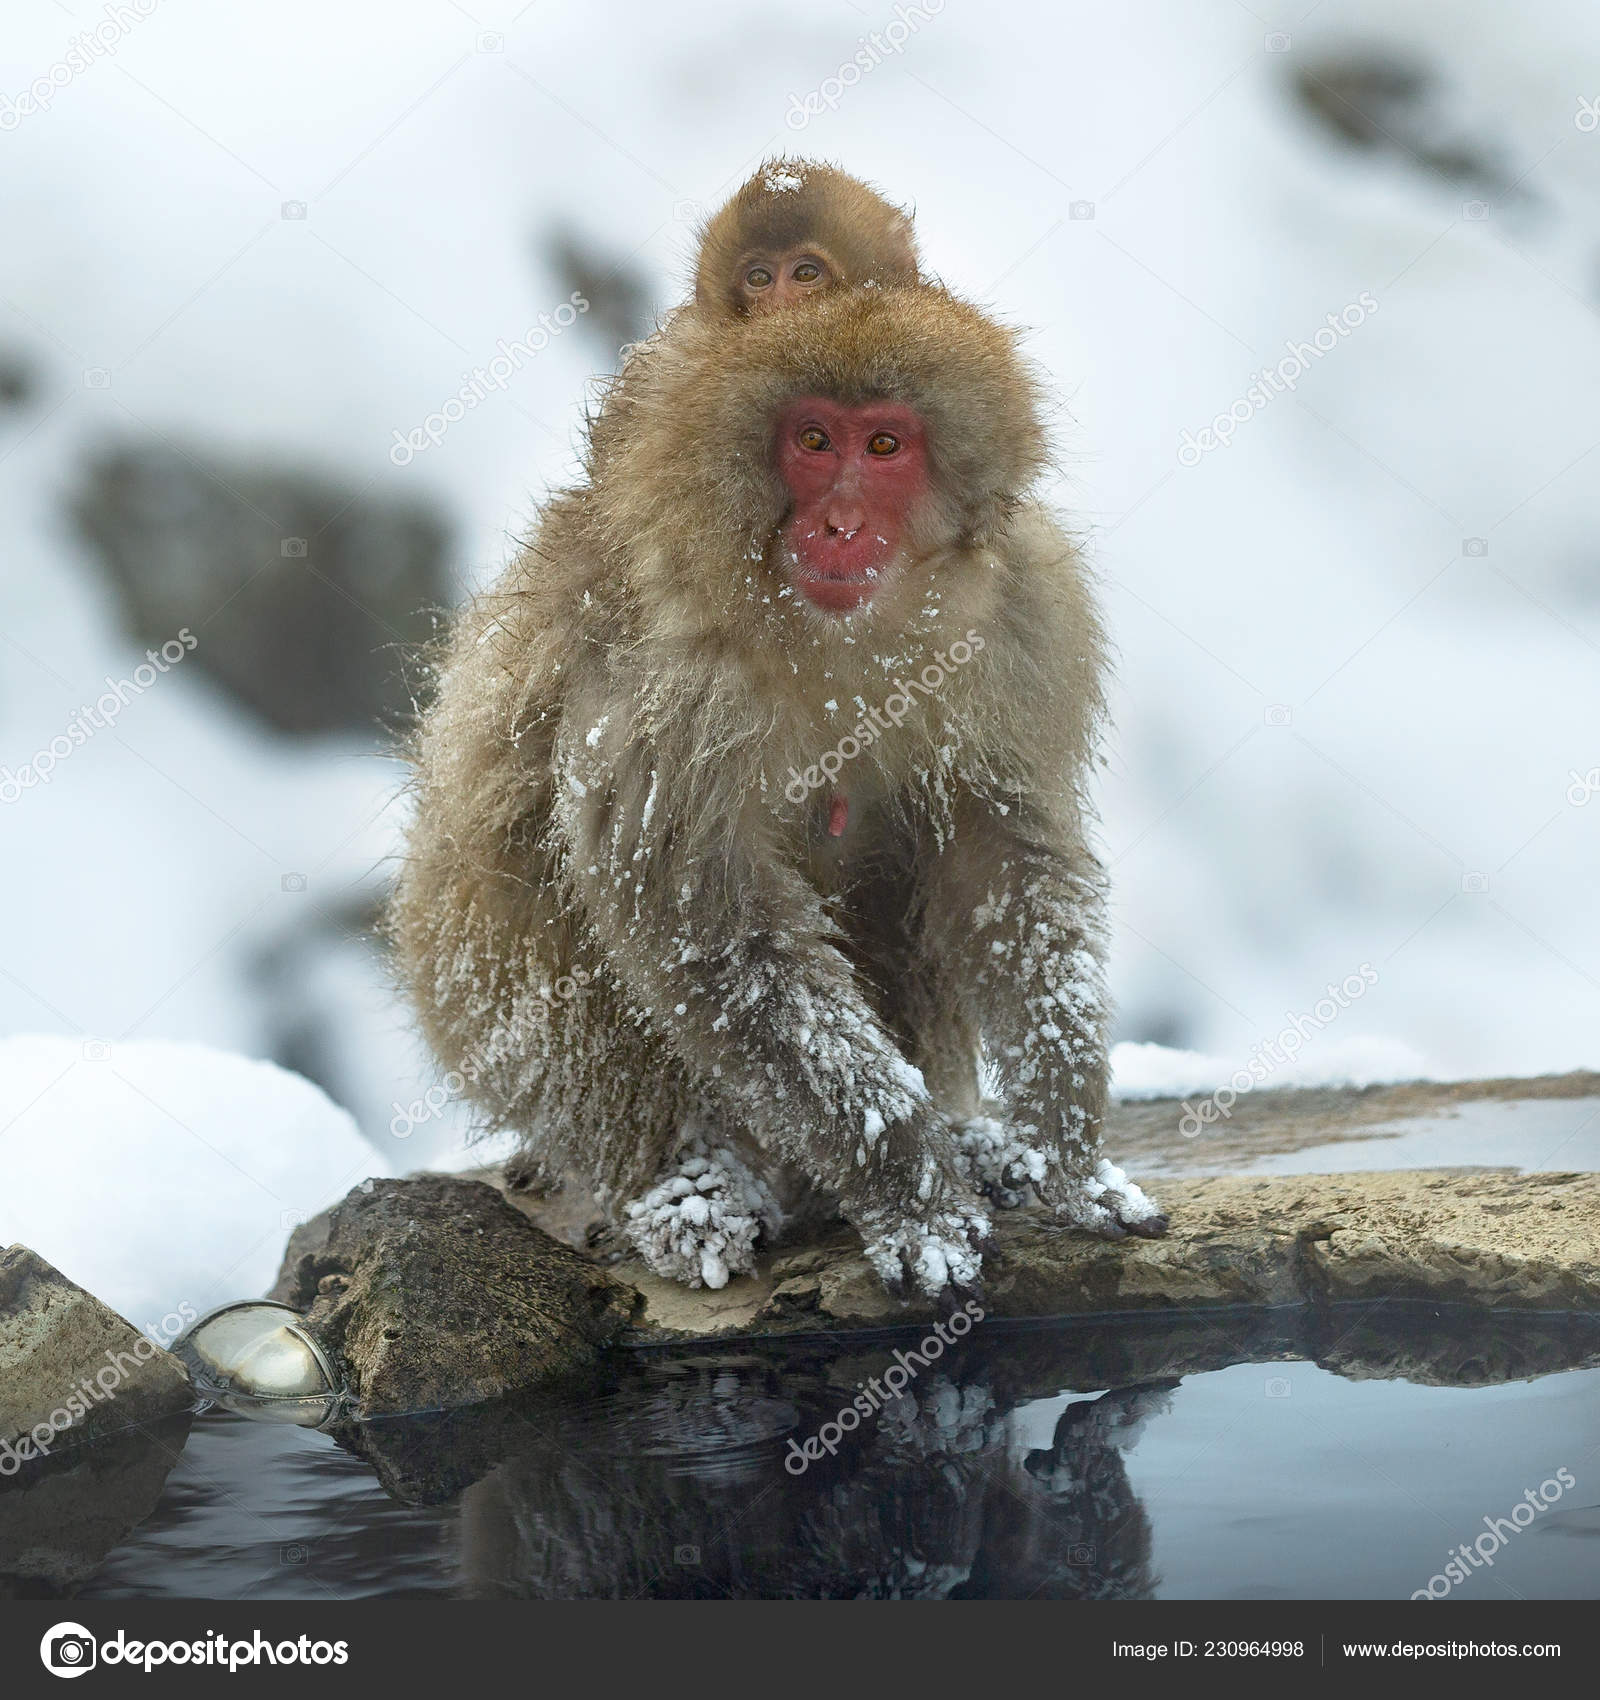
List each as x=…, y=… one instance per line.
x=846, y=520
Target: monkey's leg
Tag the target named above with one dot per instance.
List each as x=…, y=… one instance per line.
x=1012, y=931
x=942, y=1039
x=800, y=1058
x=939, y=1028
x=732, y=959
x=946, y=1041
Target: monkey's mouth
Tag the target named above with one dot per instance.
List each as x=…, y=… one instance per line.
x=842, y=573
x=838, y=592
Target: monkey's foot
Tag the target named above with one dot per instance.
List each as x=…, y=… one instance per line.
x=996, y=1162
x=932, y=1253
x=1106, y=1203
x=700, y=1223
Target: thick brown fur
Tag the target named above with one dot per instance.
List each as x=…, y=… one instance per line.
x=616, y=919
x=793, y=203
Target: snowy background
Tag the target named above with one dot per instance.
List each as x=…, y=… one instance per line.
x=1358, y=645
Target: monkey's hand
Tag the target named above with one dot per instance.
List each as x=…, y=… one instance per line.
x=995, y=1160
x=1104, y=1201
x=929, y=1242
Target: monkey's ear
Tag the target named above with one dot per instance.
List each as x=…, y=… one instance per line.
x=902, y=235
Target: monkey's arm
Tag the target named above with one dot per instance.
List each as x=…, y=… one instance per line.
x=726, y=950
x=1013, y=935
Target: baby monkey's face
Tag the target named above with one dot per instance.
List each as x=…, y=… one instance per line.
x=780, y=279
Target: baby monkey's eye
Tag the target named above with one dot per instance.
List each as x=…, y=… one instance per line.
x=814, y=438
x=758, y=277
x=808, y=271
x=884, y=443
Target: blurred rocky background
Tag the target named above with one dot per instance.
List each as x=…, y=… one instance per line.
x=1357, y=708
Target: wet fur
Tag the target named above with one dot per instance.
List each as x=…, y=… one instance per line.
x=611, y=918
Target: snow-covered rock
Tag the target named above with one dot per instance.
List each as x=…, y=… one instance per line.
x=165, y=1175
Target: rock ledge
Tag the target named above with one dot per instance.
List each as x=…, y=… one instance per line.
x=1488, y=1238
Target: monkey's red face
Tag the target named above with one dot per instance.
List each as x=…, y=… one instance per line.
x=854, y=475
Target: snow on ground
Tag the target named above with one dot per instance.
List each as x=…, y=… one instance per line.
x=1158, y=1071
x=1356, y=647
x=162, y=1176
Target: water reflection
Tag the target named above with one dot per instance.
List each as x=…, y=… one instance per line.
x=939, y=1497
x=1202, y=1457
x=690, y=1476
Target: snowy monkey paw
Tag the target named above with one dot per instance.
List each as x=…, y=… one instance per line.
x=995, y=1161
x=931, y=1253
x=700, y=1222
x=1105, y=1202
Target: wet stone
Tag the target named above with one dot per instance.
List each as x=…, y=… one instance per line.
x=72, y=1370
x=446, y=1296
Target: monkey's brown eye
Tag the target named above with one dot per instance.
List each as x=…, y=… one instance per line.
x=808, y=271
x=758, y=277
x=815, y=439
x=884, y=443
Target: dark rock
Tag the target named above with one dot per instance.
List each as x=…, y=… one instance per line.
x=72, y=1371
x=1383, y=104
x=303, y=971
x=618, y=293
x=93, y=1415
x=434, y=1292
x=16, y=382
x=307, y=598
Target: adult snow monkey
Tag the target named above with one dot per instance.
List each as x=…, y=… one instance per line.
x=771, y=750
x=793, y=230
